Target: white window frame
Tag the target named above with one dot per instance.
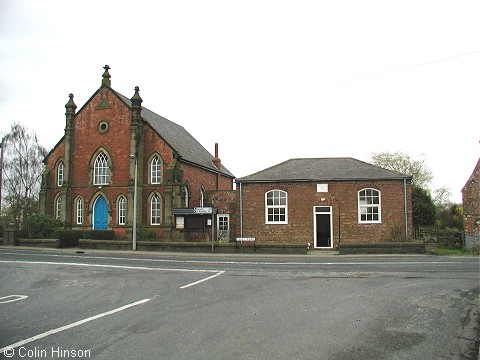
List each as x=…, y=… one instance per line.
x=101, y=171
x=58, y=207
x=79, y=207
x=223, y=219
x=155, y=210
x=122, y=210
x=60, y=173
x=278, y=207
x=369, y=205
x=156, y=170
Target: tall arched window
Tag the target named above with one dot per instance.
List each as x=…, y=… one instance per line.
x=156, y=170
x=122, y=210
x=60, y=173
x=101, y=170
x=58, y=207
x=369, y=206
x=155, y=210
x=187, y=196
x=79, y=208
x=202, y=197
x=276, y=207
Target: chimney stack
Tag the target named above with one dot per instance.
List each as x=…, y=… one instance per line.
x=216, y=161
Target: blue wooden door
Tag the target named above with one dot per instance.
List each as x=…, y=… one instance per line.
x=100, y=214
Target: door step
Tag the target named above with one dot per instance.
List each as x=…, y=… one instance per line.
x=322, y=252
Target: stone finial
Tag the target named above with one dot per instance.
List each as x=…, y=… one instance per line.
x=106, y=77
x=70, y=106
x=136, y=99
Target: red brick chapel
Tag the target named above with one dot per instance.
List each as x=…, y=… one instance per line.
x=89, y=179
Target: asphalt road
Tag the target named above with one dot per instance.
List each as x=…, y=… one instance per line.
x=56, y=304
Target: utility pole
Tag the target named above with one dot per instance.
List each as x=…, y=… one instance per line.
x=2, y=144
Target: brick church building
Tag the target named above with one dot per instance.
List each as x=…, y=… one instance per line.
x=89, y=180
x=89, y=183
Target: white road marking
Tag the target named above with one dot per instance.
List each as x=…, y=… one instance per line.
x=66, y=327
x=105, y=266
x=3, y=300
x=202, y=280
x=235, y=262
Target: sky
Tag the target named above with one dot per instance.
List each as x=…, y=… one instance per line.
x=266, y=80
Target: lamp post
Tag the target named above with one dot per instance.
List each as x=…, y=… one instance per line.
x=134, y=237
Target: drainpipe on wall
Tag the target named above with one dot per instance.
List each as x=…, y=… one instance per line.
x=405, y=206
x=241, y=211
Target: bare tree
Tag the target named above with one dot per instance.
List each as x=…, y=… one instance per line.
x=403, y=163
x=22, y=171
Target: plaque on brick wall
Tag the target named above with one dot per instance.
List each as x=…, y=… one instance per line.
x=322, y=187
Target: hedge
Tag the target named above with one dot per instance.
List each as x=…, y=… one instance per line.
x=99, y=234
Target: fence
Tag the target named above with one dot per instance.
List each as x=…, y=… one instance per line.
x=450, y=238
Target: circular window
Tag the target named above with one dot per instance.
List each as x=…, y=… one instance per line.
x=103, y=127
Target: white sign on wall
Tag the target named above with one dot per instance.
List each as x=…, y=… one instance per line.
x=322, y=187
x=180, y=222
x=202, y=210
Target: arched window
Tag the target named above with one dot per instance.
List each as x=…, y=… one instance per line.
x=187, y=195
x=58, y=207
x=155, y=210
x=60, y=173
x=122, y=210
x=79, y=208
x=276, y=207
x=156, y=170
x=369, y=206
x=202, y=197
x=101, y=170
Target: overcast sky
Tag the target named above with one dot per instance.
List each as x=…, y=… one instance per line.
x=267, y=80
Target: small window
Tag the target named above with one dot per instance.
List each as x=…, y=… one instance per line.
x=276, y=207
x=155, y=210
x=369, y=206
x=60, y=173
x=79, y=211
x=122, y=211
x=101, y=170
x=156, y=171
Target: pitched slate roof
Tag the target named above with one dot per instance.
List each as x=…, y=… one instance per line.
x=322, y=169
x=189, y=149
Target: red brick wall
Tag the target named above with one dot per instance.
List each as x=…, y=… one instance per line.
x=471, y=202
x=197, y=177
x=53, y=188
x=226, y=202
x=341, y=196
x=116, y=141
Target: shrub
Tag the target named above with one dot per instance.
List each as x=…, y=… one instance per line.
x=68, y=237
x=99, y=234
x=144, y=234
x=42, y=226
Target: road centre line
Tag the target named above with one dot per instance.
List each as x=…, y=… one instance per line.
x=66, y=327
x=106, y=266
x=232, y=262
